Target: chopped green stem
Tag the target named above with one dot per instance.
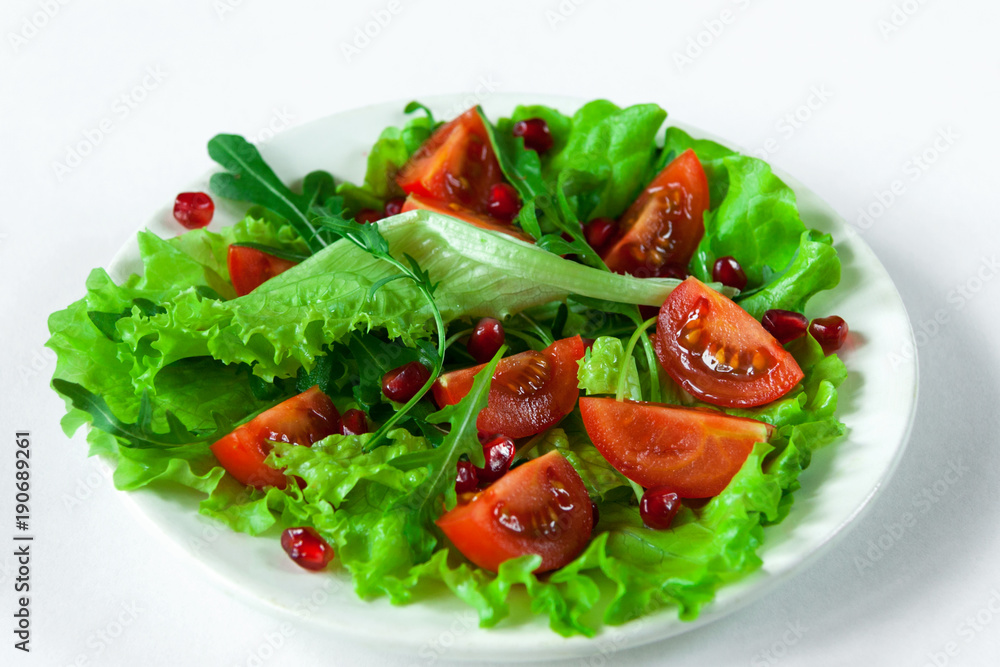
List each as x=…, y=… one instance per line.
x=451, y=339
x=544, y=337
x=438, y=363
x=623, y=374
x=654, y=369
x=533, y=343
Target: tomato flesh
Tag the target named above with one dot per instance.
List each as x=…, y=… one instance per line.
x=455, y=165
x=693, y=452
x=530, y=391
x=250, y=268
x=540, y=507
x=662, y=228
x=302, y=419
x=718, y=352
x=413, y=203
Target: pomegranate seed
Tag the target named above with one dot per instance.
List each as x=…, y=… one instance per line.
x=599, y=231
x=829, y=332
x=394, y=206
x=784, y=325
x=499, y=453
x=466, y=480
x=304, y=546
x=596, y=512
x=354, y=422
x=193, y=210
x=729, y=272
x=658, y=507
x=504, y=202
x=536, y=134
x=367, y=215
x=401, y=384
x=486, y=339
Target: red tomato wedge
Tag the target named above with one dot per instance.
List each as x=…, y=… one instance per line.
x=694, y=452
x=662, y=228
x=540, y=507
x=303, y=419
x=413, y=202
x=250, y=268
x=455, y=165
x=718, y=352
x=530, y=391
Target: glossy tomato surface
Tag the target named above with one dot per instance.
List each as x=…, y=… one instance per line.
x=455, y=165
x=660, y=231
x=250, y=268
x=302, y=419
x=718, y=352
x=693, y=452
x=530, y=391
x=413, y=202
x=540, y=507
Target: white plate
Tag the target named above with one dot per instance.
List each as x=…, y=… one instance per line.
x=876, y=402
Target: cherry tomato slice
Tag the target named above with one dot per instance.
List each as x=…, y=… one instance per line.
x=694, y=452
x=250, y=268
x=302, y=419
x=413, y=202
x=530, y=391
x=718, y=352
x=456, y=165
x=540, y=507
x=662, y=228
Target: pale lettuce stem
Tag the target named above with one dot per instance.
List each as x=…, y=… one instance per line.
x=623, y=373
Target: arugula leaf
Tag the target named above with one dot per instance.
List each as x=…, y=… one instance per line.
x=462, y=440
x=249, y=178
x=140, y=434
x=280, y=253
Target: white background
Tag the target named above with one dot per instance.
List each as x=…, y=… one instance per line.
x=881, y=94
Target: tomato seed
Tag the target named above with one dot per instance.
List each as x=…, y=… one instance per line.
x=401, y=384
x=504, y=202
x=658, y=507
x=304, y=546
x=729, y=272
x=487, y=337
x=193, y=210
x=784, y=325
x=536, y=133
x=829, y=332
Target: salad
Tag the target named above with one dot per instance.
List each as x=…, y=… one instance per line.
x=566, y=355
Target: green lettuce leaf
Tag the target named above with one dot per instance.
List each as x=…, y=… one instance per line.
x=600, y=369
